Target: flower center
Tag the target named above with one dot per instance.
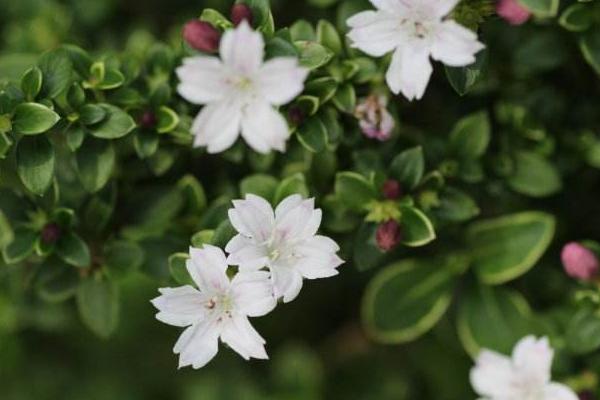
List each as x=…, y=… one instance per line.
x=242, y=83
x=220, y=303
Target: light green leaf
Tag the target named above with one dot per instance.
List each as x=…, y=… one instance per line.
x=33, y=119
x=471, y=136
x=417, y=229
x=294, y=184
x=117, y=124
x=534, y=176
x=354, y=191
x=260, y=184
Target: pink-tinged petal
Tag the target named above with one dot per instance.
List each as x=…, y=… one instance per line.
x=217, y=127
x=253, y=293
x=455, y=45
x=239, y=334
x=249, y=258
x=410, y=70
x=287, y=282
x=375, y=33
x=281, y=80
x=287, y=204
x=182, y=306
x=208, y=268
x=237, y=243
x=293, y=224
x=264, y=128
x=198, y=344
x=252, y=218
x=242, y=49
x=313, y=224
x=202, y=80
x=492, y=376
x=556, y=391
x=533, y=359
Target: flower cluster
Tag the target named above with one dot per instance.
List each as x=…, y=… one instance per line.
x=283, y=241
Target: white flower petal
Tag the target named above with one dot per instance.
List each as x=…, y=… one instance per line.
x=250, y=258
x=182, y=306
x=293, y=224
x=390, y=5
x=253, y=293
x=208, y=269
x=252, y=218
x=202, y=80
x=492, y=375
x=239, y=334
x=287, y=204
x=287, y=282
x=556, y=391
x=242, y=49
x=375, y=33
x=198, y=344
x=410, y=70
x=264, y=128
x=533, y=359
x=217, y=126
x=281, y=80
x=455, y=45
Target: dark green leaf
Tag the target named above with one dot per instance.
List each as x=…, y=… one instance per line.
x=98, y=304
x=35, y=163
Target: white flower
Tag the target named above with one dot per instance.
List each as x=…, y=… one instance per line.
x=285, y=241
x=414, y=30
x=239, y=92
x=219, y=308
x=525, y=376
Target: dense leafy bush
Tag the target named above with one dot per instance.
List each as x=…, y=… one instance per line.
x=449, y=197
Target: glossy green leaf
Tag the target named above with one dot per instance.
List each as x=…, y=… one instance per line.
x=73, y=250
x=354, y=191
x=541, y=8
x=31, y=83
x=583, y=331
x=294, y=184
x=95, y=163
x=312, y=134
x=313, y=55
x=33, y=119
x=417, y=229
x=408, y=167
x=534, y=176
x=35, y=163
x=462, y=79
x=260, y=184
x=116, y=124
x=471, y=136
x=57, y=71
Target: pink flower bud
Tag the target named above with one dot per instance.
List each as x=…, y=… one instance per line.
x=148, y=120
x=391, y=189
x=50, y=233
x=241, y=12
x=512, y=12
x=579, y=261
x=375, y=120
x=201, y=36
x=388, y=235
x=586, y=395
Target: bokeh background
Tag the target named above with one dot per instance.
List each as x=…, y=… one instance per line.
x=317, y=346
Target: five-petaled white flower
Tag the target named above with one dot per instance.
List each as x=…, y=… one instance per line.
x=284, y=240
x=240, y=92
x=414, y=30
x=525, y=376
x=219, y=308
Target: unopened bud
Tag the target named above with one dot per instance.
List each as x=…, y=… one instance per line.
x=148, y=120
x=586, y=395
x=296, y=115
x=388, y=235
x=580, y=262
x=391, y=189
x=241, y=12
x=512, y=12
x=201, y=36
x=50, y=233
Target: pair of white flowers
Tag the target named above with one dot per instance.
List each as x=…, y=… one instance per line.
x=240, y=91
x=524, y=376
x=283, y=241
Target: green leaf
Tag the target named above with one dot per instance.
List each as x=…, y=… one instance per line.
x=57, y=282
x=201, y=238
x=57, y=70
x=117, y=124
x=294, y=184
x=406, y=299
x=113, y=79
x=279, y=47
x=313, y=55
x=146, y=143
x=534, y=176
x=223, y=234
x=167, y=120
x=194, y=194
x=302, y=30
x=73, y=250
x=354, y=191
x=328, y=36
x=322, y=88
x=366, y=253
x=583, y=331
x=456, y=206
x=471, y=136
x=21, y=246
x=417, y=229
x=6, y=232
x=541, y=8
x=91, y=114
x=95, y=162
x=35, y=163
x=312, y=134
x=178, y=269
x=98, y=305
x=260, y=184
x=577, y=18
x=589, y=44
x=261, y=12
x=505, y=248
x=408, y=167
x=122, y=257
x=33, y=119
x=462, y=79
x=76, y=96
x=345, y=98
x=216, y=19
x=5, y=145
x=31, y=83
x=493, y=319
